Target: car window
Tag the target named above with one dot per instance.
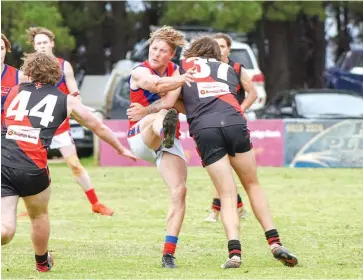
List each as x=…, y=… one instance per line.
x=352, y=59
x=318, y=105
x=340, y=60
x=241, y=56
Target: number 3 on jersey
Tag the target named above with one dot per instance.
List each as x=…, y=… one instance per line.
x=22, y=100
x=204, y=68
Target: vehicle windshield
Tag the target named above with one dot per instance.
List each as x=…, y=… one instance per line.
x=329, y=105
x=241, y=56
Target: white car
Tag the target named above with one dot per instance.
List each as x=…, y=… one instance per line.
x=243, y=54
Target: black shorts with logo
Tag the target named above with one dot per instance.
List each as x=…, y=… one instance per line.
x=15, y=181
x=215, y=142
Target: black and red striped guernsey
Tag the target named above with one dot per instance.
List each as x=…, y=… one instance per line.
x=237, y=67
x=211, y=101
x=32, y=114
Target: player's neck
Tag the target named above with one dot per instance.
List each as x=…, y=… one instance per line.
x=226, y=60
x=161, y=70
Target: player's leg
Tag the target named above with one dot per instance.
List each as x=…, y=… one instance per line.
x=173, y=170
x=211, y=145
x=159, y=128
x=9, y=202
x=69, y=153
x=216, y=208
x=245, y=166
x=222, y=176
x=8, y=218
x=37, y=206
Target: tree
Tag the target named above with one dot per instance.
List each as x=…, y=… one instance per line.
x=234, y=16
x=16, y=17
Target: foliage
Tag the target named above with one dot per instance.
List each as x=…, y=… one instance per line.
x=16, y=17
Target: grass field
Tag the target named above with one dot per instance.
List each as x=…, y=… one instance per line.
x=318, y=214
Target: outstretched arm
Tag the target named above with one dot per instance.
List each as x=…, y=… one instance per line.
x=82, y=115
x=141, y=77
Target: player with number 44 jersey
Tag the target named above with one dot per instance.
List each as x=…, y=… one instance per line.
x=33, y=112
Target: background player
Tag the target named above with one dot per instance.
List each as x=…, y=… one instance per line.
x=10, y=76
x=25, y=136
x=42, y=40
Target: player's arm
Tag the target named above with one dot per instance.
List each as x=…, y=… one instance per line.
x=84, y=117
x=141, y=77
x=179, y=106
x=22, y=78
x=136, y=111
x=248, y=86
x=70, y=79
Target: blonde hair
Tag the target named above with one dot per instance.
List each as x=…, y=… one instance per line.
x=7, y=42
x=172, y=37
x=42, y=67
x=33, y=31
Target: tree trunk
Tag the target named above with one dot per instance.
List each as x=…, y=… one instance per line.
x=277, y=66
x=95, y=57
x=120, y=31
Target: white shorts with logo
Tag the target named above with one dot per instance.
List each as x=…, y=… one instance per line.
x=62, y=140
x=142, y=151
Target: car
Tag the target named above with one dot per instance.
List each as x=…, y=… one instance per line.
x=82, y=137
x=347, y=74
x=117, y=93
x=314, y=104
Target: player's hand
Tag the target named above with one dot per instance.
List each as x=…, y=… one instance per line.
x=189, y=76
x=127, y=153
x=136, y=112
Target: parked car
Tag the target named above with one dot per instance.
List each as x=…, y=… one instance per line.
x=314, y=104
x=347, y=74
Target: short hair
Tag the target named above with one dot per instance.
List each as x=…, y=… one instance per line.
x=33, y=31
x=42, y=67
x=224, y=36
x=172, y=37
x=7, y=42
x=205, y=47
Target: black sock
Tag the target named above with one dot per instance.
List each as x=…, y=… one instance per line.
x=216, y=205
x=239, y=199
x=272, y=237
x=41, y=259
x=234, y=248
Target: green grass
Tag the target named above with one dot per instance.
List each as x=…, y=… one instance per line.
x=318, y=214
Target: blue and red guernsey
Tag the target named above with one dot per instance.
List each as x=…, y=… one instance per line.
x=62, y=86
x=9, y=78
x=146, y=97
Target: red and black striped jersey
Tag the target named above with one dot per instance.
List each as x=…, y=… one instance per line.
x=62, y=86
x=9, y=78
x=146, y=97
x=211, y=101
x=237, y=67
x=32, y=114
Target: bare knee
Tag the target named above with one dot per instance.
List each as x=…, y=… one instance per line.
x=7, y=233
x=178, y=194
x=75, y=165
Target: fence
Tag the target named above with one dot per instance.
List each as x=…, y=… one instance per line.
x=294, y=143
